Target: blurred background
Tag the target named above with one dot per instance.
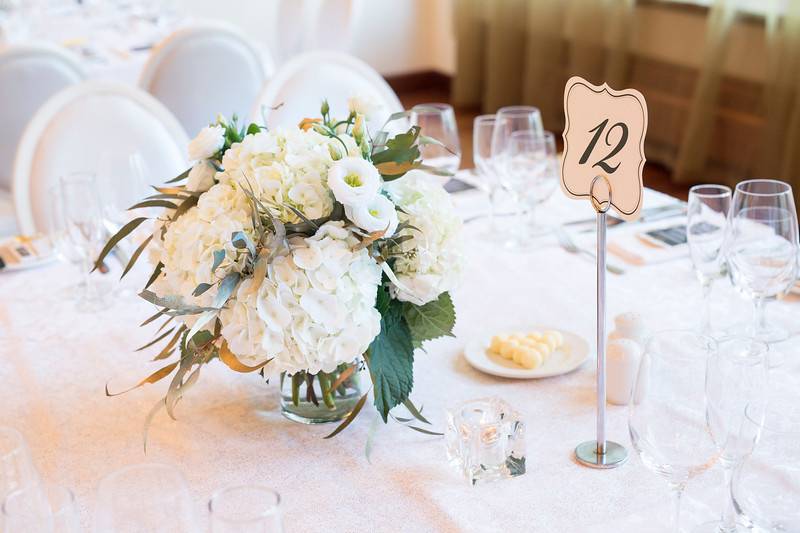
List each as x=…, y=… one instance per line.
x=721, y=77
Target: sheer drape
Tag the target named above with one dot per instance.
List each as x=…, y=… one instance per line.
x=523, y=51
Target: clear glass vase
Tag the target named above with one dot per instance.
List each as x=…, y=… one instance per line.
x=322, y=397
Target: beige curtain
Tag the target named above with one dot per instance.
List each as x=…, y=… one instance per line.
x=523, y=51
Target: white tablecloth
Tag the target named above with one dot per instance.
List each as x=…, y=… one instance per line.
x=54, y=364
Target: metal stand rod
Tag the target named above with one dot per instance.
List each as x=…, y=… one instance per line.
x=601, y=453
x=601, y=333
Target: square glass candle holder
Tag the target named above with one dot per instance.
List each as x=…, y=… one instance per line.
x=485, y=440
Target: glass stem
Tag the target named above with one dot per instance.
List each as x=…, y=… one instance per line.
x=707, y=286
x=728, y=512
x=492, y=207
x=759, y=317
x=88, y=282
x=677, y=491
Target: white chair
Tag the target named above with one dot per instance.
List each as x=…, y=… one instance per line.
x=73, y=130
x=331, y=23
x=299, y=86
x=29, y=75
x=203, y=70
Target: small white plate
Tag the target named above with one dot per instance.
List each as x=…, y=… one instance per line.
x=567, y=358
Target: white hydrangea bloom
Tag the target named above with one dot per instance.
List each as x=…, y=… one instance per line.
x=286, y=167
x=314, y=311
x=431, y=262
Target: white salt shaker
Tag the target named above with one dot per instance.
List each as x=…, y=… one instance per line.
x=622, y=365
x=629, y=326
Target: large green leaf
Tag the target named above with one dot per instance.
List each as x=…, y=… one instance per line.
x=401, y=148
x=430, y=321
x=391, y=361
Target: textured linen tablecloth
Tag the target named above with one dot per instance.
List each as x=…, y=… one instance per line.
x=54, y=364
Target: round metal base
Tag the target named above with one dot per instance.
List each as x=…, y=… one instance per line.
x=586, y=454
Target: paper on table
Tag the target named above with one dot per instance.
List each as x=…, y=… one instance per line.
x=627, y=244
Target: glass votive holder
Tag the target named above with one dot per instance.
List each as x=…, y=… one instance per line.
x=485, y=440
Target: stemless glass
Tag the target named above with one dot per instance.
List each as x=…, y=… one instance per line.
x=83, y=229
x=438, y=121
x=245, y=509
x=761, y=248
x=766, y=487
x=736, y=376
x=146, y=497
x=16, y=466
x=482, y=131
x=666, y=417
x=533, y=171
x=47, y=509
x=705, y=233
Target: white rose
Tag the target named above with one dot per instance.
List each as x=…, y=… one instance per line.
x=364, y=104
x=207, y=143
x=354, y=181
x=201, y=177
x=377, y=215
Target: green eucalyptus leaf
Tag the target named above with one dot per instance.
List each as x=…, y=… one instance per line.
x=241, y=240
x=201, y=288
x=226, y=288
x=153, y=203
x=118, y=236
x=219, y=256
x=136, y=255
x=183, y=175
x=352, y=416
x=154, y=341
x=154, y=276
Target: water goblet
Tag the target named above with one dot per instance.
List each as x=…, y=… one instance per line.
x=666, y=412
x=47, y=509
x=482, y=131
x=438, y=121
x=736, y=376
x=533, y=171
x=245, y=509
x=761, y=248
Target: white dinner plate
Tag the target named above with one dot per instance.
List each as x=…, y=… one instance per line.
x=567, y=358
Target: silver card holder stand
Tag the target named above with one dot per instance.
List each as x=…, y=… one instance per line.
x=601, y=453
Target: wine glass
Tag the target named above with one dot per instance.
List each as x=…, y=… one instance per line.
x=761, y=248
x=766, y=487
x=245, y=508
x=705, y=233
x=50, y=509
x=83, y=230
x=65, y=250
x=482, y=131
x=438, y=121
x=508, y=120
x=16, y=466
x=666, y=416
x=146, y=497
x=736, y=376
x=533, y=171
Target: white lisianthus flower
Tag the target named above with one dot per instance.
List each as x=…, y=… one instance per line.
x=201, y=176
x=429, y=263
x=354, y=181
x=364, y=104
x=376, y=215
x=314, y=311
x=207, y=143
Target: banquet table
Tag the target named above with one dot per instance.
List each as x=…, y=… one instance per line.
x=55, y=363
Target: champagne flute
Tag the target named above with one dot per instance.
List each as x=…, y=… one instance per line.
x=508, y=120
x=736, y=376
x=245, y=509
x=438, y=121
x=666, y=416
x=482, y=131
x=766, y=487
x=146, y=497
x=533, y=169
x=705, y=234
x=761, y=248
x=80, y=208
x=50, y=509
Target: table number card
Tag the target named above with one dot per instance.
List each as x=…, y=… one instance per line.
x=604, y=136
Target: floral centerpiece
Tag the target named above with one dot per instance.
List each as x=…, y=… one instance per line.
x=305, y=254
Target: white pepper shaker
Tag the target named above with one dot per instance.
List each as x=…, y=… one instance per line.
x=631, y=326
x=622, y=365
